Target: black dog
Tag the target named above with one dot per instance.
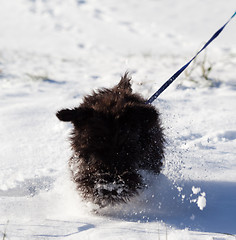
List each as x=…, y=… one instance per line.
x=116, y=134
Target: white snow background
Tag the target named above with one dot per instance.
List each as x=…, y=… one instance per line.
x=53, y=52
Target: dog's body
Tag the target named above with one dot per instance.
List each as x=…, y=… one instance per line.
x=115, y=135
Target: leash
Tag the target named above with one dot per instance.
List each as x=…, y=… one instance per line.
x=171, y=79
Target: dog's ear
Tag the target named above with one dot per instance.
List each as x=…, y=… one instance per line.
x=124, y=83
x=141, y=114
x=66, y=115
x=75, y=115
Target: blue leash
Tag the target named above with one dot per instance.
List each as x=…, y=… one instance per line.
x=170, y=80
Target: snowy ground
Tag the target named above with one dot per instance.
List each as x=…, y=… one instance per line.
x=53, y=52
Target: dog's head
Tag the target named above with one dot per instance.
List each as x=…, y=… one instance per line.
x=108, y=138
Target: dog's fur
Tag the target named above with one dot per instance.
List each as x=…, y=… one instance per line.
x=116, y=134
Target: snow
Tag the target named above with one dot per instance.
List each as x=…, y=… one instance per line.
x=201, y=201
x=196, y=190
x=53, y=52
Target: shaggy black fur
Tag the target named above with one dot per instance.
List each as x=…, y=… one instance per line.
x=115, y=135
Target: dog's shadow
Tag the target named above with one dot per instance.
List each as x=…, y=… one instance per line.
x=196, y=205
